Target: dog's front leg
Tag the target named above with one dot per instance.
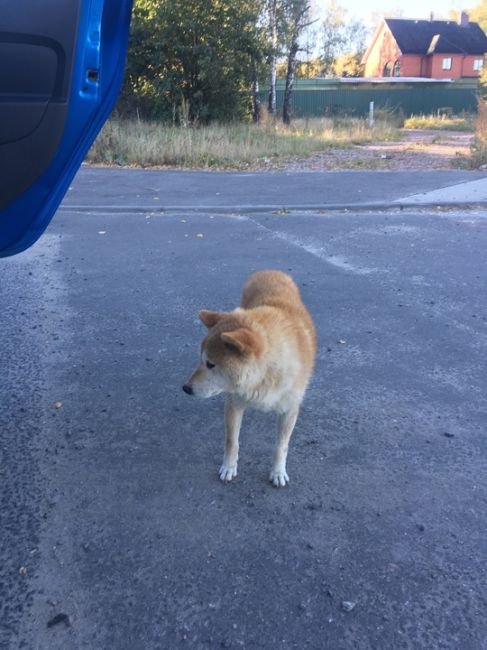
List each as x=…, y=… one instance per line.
x=233, y=420
x=278, y=475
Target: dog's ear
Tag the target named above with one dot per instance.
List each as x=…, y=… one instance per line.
x=210, y=318
x=243, y=341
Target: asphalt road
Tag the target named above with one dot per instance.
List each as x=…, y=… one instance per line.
x=112, y=513
x=148, y=189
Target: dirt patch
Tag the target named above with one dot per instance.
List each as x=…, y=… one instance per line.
x=418, y=150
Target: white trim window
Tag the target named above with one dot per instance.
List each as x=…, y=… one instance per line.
x=478, y=64
x=446, y=63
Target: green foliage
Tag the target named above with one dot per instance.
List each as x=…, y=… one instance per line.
x=198, y=61
x=192, y=60
x=342, y=38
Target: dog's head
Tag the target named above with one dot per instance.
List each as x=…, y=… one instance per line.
x=228, y=354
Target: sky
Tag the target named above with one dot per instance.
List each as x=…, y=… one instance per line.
x=419, y=9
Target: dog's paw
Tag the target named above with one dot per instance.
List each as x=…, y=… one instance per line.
x=279, y=477
x=227, y=472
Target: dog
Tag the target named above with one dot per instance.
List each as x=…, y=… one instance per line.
x=262, y=356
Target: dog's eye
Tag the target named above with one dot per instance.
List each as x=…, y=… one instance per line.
x=210, y=365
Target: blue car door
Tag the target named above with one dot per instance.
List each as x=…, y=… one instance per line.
x=61, y=67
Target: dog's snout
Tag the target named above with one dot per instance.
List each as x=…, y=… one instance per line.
x=188, y=389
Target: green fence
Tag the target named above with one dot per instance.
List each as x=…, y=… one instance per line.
x=315, y=97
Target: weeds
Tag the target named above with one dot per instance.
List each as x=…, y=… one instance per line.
x=478, y=156
x=441, y=122
x=234, y=146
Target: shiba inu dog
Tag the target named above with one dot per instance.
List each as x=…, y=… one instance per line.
x=261, y=355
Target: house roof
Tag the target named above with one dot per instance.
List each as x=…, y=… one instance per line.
x=437, y=36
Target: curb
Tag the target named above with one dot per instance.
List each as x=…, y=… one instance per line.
x=281, y=209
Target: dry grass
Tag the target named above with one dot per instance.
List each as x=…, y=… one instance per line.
x=234, y=146
x=441, y=122
x=478, y=155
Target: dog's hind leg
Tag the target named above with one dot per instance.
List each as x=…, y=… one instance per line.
x=278, y=475
x=233, y=420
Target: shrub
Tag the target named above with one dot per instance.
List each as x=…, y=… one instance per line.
x=479, y=145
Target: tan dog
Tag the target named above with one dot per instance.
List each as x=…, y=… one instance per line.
x=262, y=356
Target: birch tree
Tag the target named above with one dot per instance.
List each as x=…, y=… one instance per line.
x=272, y=13
x=342, y=38
x=297, y=17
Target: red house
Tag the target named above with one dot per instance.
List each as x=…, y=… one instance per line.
x=436, y=49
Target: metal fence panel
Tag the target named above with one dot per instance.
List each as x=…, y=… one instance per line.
x=313, y=99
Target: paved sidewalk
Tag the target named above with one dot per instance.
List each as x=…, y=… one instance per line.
x=470, y=192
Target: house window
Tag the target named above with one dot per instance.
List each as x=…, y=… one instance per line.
x=478, y=64
x=446, y=63
x=387, y=70
x=396, y=72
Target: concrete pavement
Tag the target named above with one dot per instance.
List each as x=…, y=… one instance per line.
x=465, y=192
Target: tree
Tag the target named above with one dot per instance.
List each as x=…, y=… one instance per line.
x=308, y=68
x=343, y=42
x=297, y=19
x=194, y=60
x=333, y=35
x=479, y=14
x=348, y=65
x=272, y=15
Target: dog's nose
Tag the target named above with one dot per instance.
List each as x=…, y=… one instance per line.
x=187, y=389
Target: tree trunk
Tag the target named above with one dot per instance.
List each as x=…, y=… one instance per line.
x=272, y=90
x=291, y=66
x=273, y=37
x=255, y=97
